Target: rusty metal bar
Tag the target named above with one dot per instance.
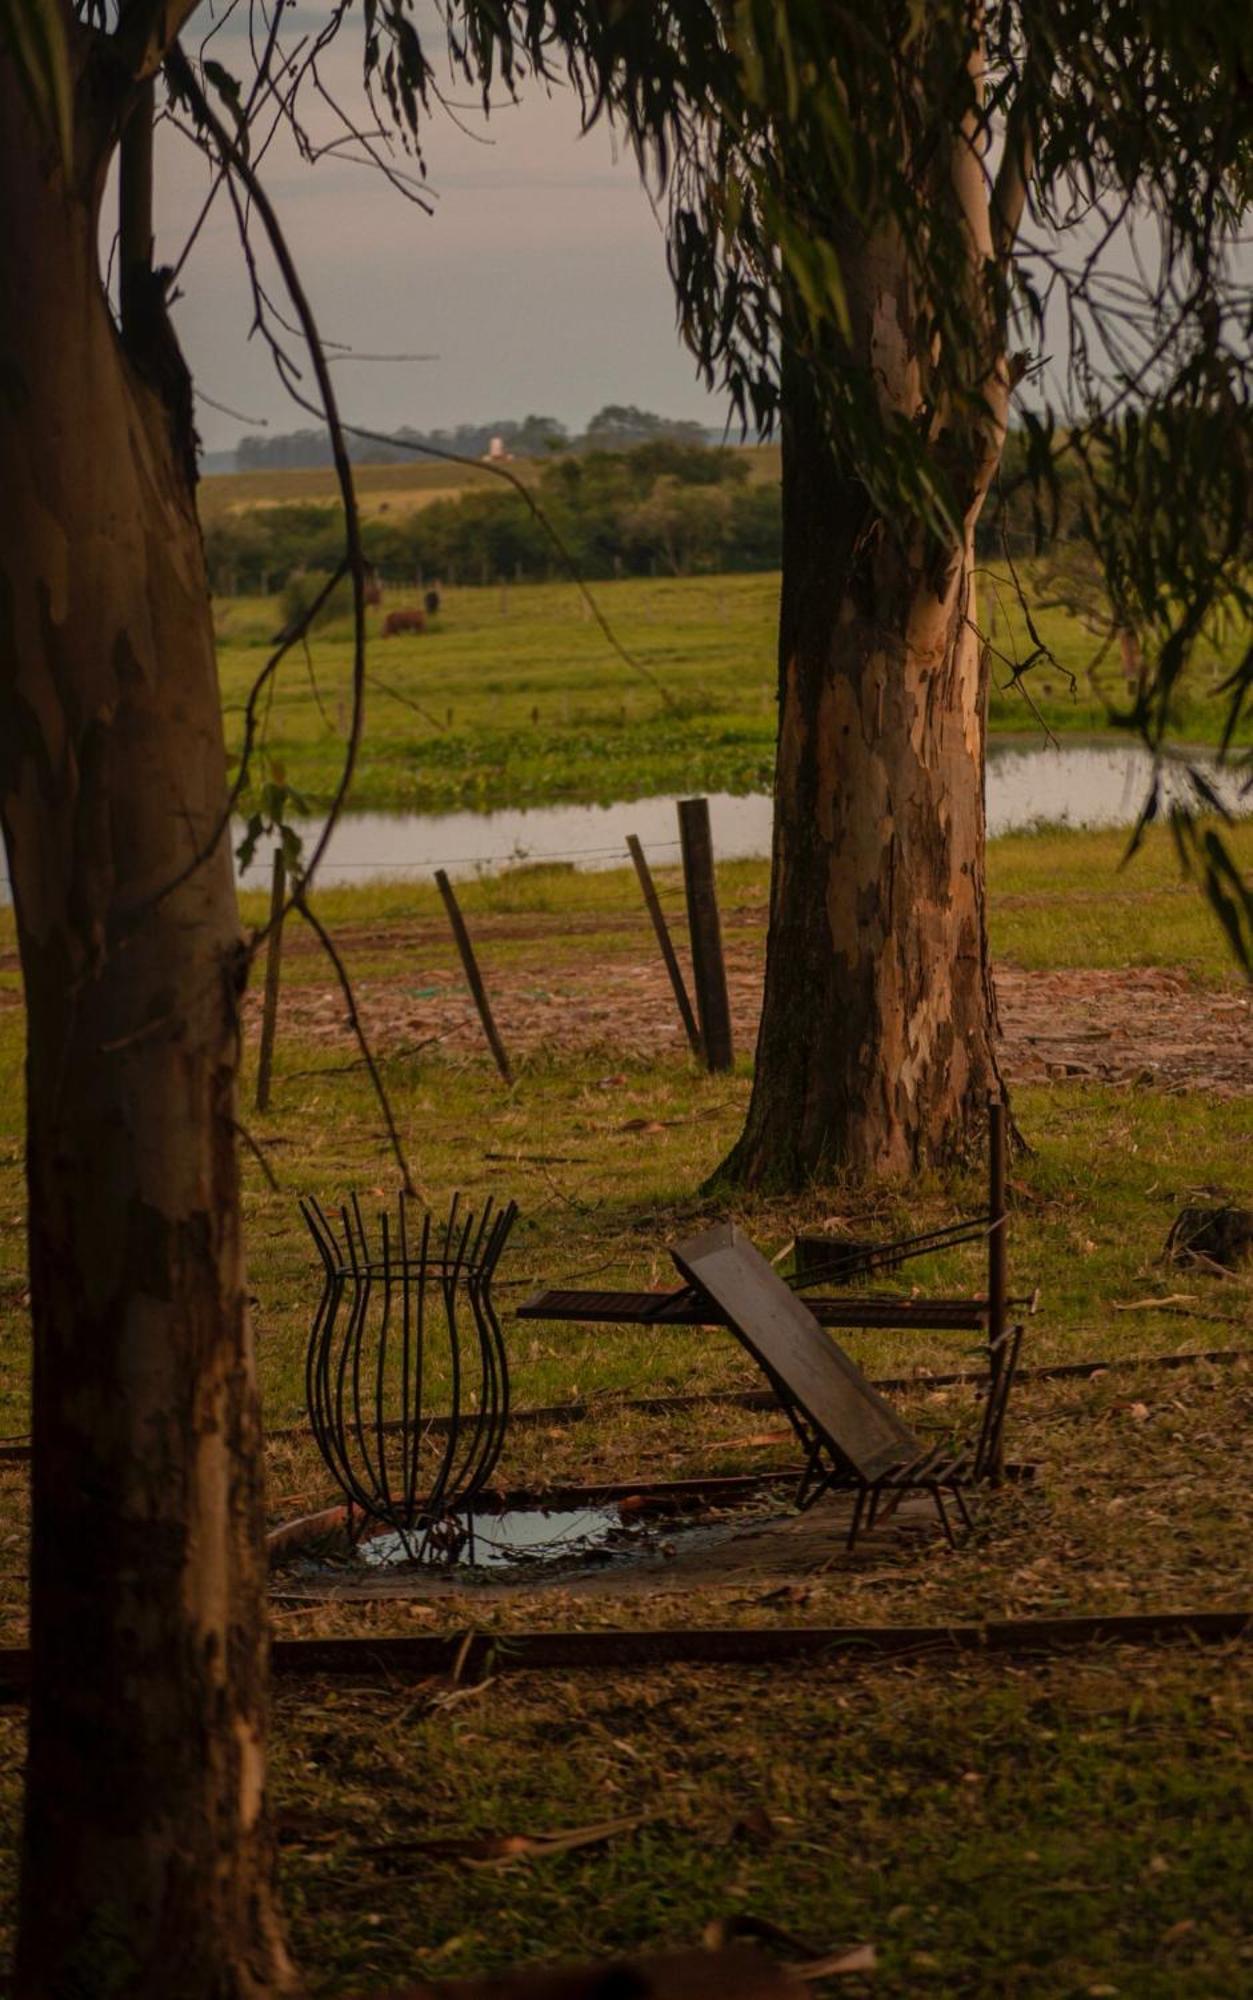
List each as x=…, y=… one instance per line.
x=662, y=931
x=474, y=979
x=765, y=1399
x=708, y=969
x=747, y=1645
x=471, y=1654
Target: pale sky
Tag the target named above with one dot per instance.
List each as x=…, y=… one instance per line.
x=539, y=282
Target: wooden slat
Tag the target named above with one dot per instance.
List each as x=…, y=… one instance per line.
x=823, y=1383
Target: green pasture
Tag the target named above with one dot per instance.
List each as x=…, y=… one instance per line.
x=514, y=696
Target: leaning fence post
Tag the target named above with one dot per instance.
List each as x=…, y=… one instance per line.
x=708, y=970
x=998, y=1249
x=473, y=977
x=273, y=962
x=660, y=926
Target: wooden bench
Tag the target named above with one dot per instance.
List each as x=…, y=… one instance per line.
x=853, y=1439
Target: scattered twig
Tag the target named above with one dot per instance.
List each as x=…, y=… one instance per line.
x=354, y=1022
x=257, y=1154
x=499, y=1850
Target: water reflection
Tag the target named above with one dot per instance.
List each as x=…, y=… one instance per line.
x=1091, y=784
x=1079, y=784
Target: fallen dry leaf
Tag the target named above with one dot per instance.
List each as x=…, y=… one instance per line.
x=1148, y=1305
x=858, y=1958
x=1179, y=1930
x=809, y=1964
x=498, y=1850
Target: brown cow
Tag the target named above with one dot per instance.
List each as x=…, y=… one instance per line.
x=411, y=620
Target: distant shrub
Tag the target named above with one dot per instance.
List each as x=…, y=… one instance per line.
x=301, y=590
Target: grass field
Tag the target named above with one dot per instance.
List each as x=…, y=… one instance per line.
x=514, y=698
x=1025, y=1828
x=397, y=489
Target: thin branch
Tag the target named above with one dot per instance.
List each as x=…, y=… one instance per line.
x=258, y=1156
x=511, y=479
x=260, y=84
x=354, y=1021
x=406, y=700
x=241, y=169
x=291, y=636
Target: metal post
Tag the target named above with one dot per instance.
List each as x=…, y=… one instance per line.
x=473, y=977
x=273, y=962
x=708, y=970
x=660, y=926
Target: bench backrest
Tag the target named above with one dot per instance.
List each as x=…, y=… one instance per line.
x=802, y=1360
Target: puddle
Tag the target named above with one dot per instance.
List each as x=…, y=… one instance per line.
x=518, y=1537
x=519, y=1544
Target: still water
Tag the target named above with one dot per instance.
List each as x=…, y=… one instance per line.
x=1079, y=784
x=1090, y=784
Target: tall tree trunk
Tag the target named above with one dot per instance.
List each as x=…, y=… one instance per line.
x=876, y=1049
x=147, y=1854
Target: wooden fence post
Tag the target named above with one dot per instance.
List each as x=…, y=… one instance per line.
x=708, y=969
x=273, y=962
x=660, y=926
x=998, y=1251
x=473, y=977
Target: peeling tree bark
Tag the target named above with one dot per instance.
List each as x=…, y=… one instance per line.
x=147, y=1851
x=876, y=1049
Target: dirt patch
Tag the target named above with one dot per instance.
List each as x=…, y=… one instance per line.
x=1144, y=1026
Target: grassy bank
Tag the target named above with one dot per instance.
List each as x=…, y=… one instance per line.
x=513, y=697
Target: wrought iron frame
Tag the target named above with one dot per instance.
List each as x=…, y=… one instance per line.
x=371, y=1438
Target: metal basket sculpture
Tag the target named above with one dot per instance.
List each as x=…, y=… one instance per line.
x=401, y=1318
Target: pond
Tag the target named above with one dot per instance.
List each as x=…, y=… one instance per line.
x=1088, y=783
x=1092, y=783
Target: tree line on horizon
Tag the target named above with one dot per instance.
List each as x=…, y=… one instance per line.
x=615, y=427
x=669, y=507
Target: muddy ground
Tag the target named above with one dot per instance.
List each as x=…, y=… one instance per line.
x=555, y=991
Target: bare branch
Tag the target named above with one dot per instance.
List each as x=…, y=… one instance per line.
x=241, y=170
x=329, y=946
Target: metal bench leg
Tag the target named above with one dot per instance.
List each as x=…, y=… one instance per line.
x=804, y=1498
x=942, y=1511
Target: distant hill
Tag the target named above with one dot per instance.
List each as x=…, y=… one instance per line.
x=616, y=427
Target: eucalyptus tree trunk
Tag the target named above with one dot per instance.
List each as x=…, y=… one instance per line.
x=147, y=1853
x=876, y=1049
